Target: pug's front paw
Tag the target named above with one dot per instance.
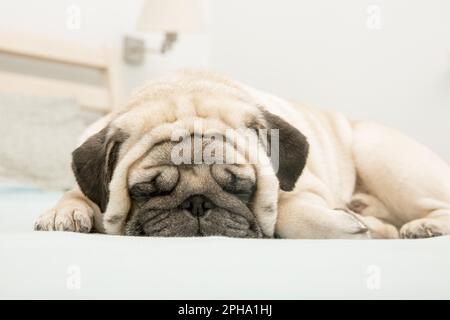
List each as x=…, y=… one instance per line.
x=75, y=216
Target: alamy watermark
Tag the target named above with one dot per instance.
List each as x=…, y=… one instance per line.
x=73, y=17
x=374, y=21
x=73, y=280
x=373, y=280
x=235, y=146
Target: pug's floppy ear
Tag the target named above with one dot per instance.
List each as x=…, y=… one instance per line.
x=293, y=150
x=93, y=164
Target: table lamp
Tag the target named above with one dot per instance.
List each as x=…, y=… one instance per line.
x=170, y=17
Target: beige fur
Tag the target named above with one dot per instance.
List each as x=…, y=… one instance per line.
x=402, y=184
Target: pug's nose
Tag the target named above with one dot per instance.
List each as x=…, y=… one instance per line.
x=197, y=205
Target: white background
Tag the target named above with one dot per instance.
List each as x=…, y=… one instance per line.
x=319, y=52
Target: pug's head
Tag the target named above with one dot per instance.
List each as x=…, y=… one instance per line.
x=129, y=168
x=190, y=199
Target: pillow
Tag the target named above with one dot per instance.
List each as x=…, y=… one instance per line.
x=37, y=137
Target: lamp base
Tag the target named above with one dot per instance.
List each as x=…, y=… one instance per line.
x=169, y=40
x=134, y=49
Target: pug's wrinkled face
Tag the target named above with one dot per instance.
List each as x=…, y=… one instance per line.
x=190, y=199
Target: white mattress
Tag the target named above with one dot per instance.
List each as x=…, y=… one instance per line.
x=68, y=265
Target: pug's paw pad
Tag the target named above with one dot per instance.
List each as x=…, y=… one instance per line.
x=46, y=221
x=421, y=228
x=69, y=217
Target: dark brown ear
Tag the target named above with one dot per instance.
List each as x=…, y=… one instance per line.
x=293, y=150
x=93, y=164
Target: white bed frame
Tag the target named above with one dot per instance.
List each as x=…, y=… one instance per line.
x=104, y=97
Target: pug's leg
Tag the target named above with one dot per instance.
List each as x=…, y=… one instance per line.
x=407, y=177
x=74, y=212
x=301, y=219
x=375, y=215
x=380, y=229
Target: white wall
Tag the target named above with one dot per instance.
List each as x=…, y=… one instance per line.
x=321, y=52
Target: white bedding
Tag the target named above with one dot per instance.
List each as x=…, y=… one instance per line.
x=68, y=265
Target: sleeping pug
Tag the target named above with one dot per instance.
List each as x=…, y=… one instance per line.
x=304, y=173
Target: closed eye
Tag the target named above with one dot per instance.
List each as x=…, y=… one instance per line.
x=241, y=188
x=237, y=183
x=245, y=197
x=143, y=191
x=162, y=182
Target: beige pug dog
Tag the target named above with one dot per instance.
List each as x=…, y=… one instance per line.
x=334, y=178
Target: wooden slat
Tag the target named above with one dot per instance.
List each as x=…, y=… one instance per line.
x=34, y=46
x=88, y=96
x=114, y=79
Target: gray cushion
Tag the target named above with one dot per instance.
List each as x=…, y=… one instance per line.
x=38, y=135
